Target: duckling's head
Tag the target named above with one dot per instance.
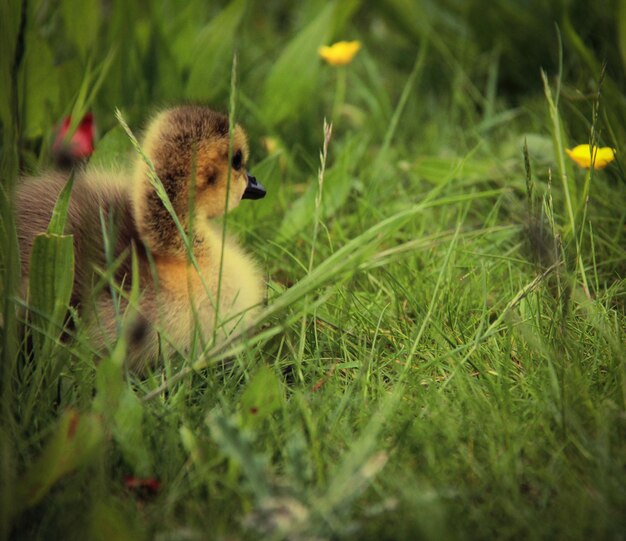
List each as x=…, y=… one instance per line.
x=189, y=147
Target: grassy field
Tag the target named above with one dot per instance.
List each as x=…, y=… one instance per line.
x=443, y=351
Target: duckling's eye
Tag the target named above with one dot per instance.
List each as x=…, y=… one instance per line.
x=237, y=160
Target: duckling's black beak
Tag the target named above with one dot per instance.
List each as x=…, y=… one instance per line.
x=254, y=190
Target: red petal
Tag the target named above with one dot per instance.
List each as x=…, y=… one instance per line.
x=81, y=144
x=151, y=484
x=71, y=429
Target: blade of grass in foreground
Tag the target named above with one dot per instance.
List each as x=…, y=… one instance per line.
x=232, y=111
x=343, y=261
x=568, y=186
x=328, y=130
x=50, y=283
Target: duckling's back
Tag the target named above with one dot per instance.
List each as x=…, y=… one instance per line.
x=97, y=207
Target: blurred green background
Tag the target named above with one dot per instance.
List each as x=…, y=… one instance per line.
x=139, y=56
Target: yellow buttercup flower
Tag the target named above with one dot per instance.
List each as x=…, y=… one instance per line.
x=340, y=53
x=581, y=154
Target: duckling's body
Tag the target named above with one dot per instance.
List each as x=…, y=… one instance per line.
x=179, y=301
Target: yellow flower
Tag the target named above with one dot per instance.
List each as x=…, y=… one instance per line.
x=340, y=53
x=581, y=154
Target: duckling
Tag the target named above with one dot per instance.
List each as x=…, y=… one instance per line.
x=216, y=294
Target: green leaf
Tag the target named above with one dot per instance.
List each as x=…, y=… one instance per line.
x=112, y=150
x=181, y=29
x=301, y=213
x=75, y=441
x=213, y=53
x=82, y=21
x=40, y=87
x=293, y=78
x=50, y=287
x=109, y=388
x=262, y=397
x=129, y=434
x=59, y=213
x=621, y=31
x=51, y=276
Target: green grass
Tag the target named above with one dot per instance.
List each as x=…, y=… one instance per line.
x=443, y=351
